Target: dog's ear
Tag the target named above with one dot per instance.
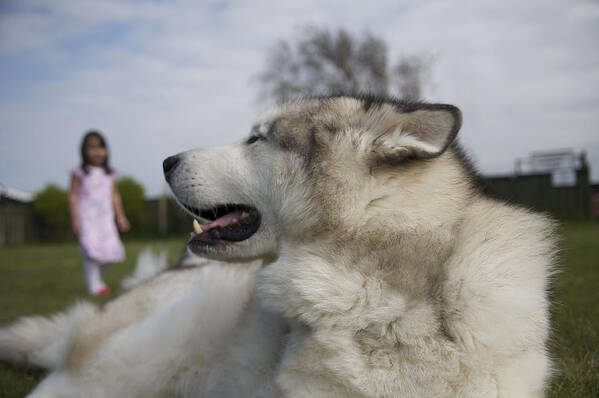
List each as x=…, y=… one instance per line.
x=417, y=131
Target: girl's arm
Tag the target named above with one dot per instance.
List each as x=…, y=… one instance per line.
x=121, y=219
x=73, y=196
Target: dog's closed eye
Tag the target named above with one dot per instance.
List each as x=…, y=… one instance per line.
x=254, y=138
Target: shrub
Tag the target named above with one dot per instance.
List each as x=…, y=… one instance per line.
x=51, y=205
x=132, y=193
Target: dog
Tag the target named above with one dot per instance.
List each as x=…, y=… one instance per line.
x=368, y=264
x=396, y=275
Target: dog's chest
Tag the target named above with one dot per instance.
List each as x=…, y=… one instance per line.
x=309, y=366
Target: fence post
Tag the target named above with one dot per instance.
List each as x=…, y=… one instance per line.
x=585, y=190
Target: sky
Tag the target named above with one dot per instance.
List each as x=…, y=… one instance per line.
x=161, y=77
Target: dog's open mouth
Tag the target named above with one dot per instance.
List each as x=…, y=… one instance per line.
x=228, y=223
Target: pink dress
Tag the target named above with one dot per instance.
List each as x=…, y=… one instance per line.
x=98, y=237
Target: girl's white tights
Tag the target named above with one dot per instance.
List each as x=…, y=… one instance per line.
x=93, y=275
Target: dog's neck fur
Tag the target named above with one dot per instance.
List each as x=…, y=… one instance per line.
x=377, y=260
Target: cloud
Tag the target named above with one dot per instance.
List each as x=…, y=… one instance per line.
x=162, y=77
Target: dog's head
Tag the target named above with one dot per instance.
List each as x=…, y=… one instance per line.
x=342, y=165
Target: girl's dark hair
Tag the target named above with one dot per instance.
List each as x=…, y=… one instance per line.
x=85, y=160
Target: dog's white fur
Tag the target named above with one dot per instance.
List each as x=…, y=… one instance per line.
x=386, y=272
x=149, y=342
x=396, y=275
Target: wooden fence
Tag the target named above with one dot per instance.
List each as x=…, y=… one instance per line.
x=17, y=222
x=164, y=217
x=537, y=192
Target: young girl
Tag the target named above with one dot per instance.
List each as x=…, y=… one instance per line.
x=94, y=200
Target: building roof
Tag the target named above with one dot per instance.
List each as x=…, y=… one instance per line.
x=15, y=194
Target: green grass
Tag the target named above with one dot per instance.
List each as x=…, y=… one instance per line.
x=43, y=279
x=575, y=344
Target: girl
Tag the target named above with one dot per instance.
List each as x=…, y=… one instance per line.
x=94, y=200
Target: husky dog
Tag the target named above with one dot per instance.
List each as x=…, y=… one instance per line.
x=396, y=276
x=383, y=271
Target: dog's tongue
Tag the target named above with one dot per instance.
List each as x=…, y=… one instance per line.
x=224, y=221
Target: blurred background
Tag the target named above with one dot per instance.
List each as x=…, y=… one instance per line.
x=160, y=77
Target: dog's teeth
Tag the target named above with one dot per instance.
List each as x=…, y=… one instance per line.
x=197, y=227
x=244, y=215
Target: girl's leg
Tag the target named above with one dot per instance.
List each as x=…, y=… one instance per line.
x=93, y=276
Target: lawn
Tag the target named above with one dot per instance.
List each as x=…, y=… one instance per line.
x=43, y=279
x=575, y=343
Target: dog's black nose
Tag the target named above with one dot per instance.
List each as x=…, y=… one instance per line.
x=170, y=164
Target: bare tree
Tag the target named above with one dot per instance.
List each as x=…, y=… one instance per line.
x=321, y=62
x=410, y=74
